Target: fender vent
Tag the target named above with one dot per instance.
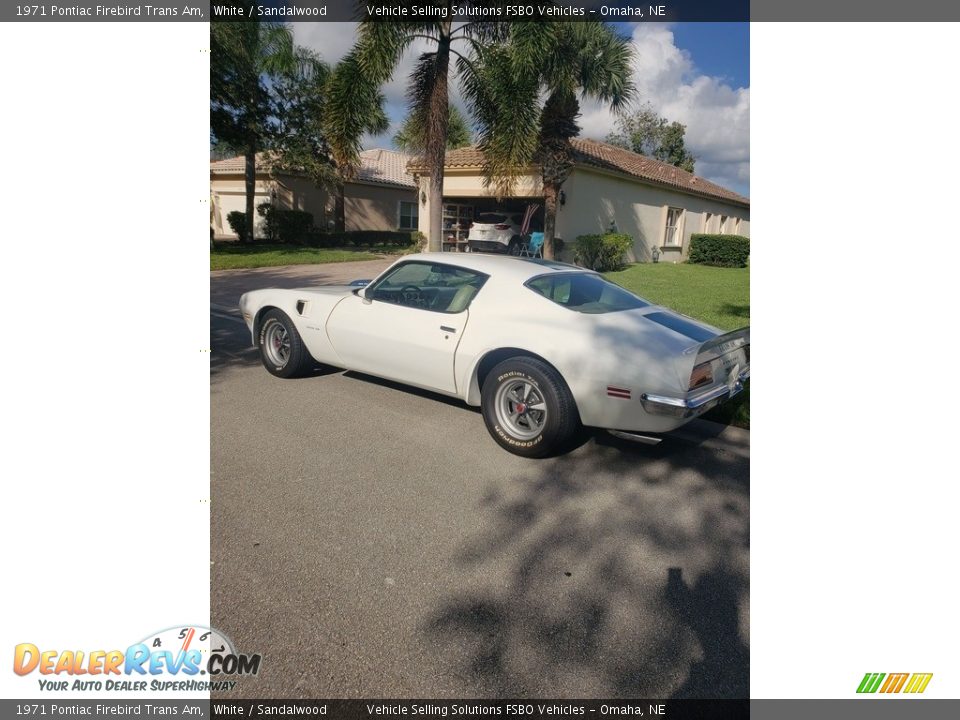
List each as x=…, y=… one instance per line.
x=300, y=306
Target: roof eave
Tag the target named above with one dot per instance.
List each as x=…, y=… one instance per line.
x=420, y=170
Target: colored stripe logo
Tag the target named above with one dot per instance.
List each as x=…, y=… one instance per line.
x=894, y=682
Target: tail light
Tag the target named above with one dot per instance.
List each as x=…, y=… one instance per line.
x=501, y=227
x=701, y=375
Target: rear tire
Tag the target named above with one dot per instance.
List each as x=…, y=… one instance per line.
x=514, y=247
x=528, y=408
x=282, y=352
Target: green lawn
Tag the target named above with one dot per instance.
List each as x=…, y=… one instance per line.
x=719, y=296
x=234, y=256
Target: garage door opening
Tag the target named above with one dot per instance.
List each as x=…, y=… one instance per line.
x=484, y=224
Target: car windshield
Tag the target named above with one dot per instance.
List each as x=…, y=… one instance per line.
x=585, y=292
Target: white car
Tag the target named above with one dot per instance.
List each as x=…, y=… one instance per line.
x=496, y=232
x=541, y=347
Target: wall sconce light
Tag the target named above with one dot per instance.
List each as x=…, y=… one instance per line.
x=423, y=198
x=563, y=198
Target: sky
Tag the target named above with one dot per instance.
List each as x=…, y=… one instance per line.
x=695, y=73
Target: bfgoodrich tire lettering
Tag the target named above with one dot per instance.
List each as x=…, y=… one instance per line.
x=281, y=350
x=528, y=408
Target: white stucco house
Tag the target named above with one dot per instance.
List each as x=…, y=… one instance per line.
x=658, y=204
x=382, y=195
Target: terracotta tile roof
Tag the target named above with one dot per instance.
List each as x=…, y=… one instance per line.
x=388, y=167
x=229, y=166
x=609, y=157
x=384, y=167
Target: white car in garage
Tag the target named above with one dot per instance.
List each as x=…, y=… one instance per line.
x=496, y=232
x=542, y=348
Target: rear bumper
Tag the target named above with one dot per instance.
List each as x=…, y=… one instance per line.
x=693, y=405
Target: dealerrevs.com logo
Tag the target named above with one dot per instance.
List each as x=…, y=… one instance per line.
x=183, y=658
x=894, y=683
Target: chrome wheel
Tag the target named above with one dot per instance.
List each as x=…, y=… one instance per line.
x=276, y=343
x=521, y=409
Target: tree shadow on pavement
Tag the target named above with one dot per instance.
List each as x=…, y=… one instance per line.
x=619, y=570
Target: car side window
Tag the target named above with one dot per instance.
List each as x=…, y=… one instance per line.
x=585, y=292
x=428, y=286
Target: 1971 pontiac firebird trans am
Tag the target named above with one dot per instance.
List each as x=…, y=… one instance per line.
x=541, y=347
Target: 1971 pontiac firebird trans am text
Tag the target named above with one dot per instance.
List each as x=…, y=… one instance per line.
x=543, y=348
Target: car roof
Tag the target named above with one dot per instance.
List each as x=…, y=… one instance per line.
x=519, y=268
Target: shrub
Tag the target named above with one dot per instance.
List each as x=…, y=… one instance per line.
x=285, y=225
x=238, y=222
x=602, y=252
x=364, y=238
x=719, y=250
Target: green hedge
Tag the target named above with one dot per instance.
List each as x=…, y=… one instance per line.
x=719, y=250
x=285, y=225
x=364, y=238
x=602, y=252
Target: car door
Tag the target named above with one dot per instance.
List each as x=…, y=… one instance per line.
x=406, y=326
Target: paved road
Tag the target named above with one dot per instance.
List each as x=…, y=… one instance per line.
x=373, y=541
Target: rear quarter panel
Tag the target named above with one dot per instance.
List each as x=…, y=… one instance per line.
x=591, y=352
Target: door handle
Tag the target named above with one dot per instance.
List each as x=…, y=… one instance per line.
x=448, y=329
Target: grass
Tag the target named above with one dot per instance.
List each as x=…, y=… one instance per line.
x=234, y=256
x=718, y=296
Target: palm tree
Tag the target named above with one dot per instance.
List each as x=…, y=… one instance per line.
x=354, y=107
x=242, y=56
x=298, y=139
x=409, y=137
x=563, y=61
x=371, y=63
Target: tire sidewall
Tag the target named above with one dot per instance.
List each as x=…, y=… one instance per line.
x=547, y=441
x=288, y=369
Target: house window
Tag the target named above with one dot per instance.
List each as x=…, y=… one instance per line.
x=723, y=224
x=671, y=233
x=707, y=221
x=409, y=219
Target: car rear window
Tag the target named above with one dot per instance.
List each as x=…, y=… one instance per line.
x=585, y=292
x=491, y=218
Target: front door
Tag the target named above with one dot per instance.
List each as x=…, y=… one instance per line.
x=408, y=324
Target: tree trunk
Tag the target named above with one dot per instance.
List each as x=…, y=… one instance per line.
x=436, y=138
x=250, y=176
x=339, y=220
x=550, y=192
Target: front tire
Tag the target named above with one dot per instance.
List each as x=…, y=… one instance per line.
x=281, y=350
x=528, y=409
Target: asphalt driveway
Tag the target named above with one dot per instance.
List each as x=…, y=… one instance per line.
x=226, y=286
x=373, y=541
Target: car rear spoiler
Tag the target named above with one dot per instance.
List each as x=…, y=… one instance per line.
x=723, y=344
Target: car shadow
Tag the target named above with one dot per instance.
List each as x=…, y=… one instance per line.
x=410, y=390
